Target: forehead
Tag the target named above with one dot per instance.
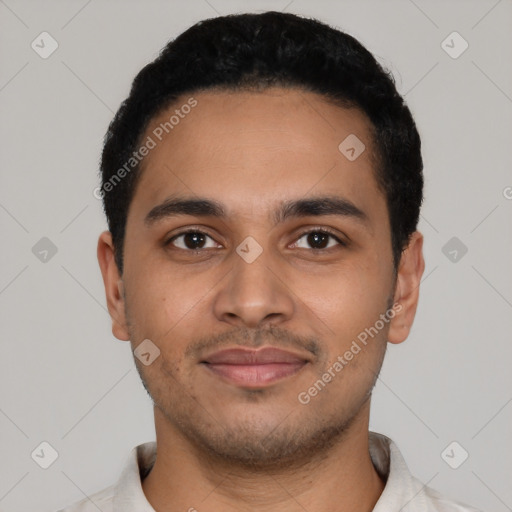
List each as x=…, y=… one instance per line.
x=251, y=149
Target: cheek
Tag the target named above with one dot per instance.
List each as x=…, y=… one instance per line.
x=155, y=303
x=349, y=299
x=169, y=307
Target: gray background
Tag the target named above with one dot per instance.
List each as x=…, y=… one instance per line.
x=66, y=380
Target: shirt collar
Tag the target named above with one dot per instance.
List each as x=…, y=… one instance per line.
x=401, y=487
x=129, y=496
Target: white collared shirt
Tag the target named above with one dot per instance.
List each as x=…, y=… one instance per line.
x=402, y=493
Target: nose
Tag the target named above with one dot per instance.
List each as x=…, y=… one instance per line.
x=254, y=293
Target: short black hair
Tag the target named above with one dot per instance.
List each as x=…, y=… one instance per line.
x=241, y=52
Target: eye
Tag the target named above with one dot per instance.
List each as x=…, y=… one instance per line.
x=319, y=239
x=195, y=240
x=191, y=240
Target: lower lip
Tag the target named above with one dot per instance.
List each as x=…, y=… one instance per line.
x=255, y=375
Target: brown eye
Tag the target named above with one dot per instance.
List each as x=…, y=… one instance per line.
x=191, y=240
x=319, y=239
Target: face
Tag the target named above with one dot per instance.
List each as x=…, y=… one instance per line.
x=256, y=254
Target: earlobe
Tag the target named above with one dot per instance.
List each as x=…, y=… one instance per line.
x=114, y=288
x=409, y=275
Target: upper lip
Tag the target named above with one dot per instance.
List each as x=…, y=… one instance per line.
x=244, y=356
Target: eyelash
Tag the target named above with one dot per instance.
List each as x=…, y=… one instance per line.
x=323, y=231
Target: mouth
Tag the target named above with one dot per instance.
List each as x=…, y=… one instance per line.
x=254, y=368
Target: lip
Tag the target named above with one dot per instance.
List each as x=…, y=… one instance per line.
x=254, y=368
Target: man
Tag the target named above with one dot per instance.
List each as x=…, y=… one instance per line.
x=262, y=185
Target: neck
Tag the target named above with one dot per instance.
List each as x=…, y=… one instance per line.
x=182, y=479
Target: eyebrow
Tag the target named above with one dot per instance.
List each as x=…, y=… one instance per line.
x=312, y=206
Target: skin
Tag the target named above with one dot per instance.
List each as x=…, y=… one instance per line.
x=222, y=446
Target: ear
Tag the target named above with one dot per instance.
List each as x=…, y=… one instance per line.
x=113, y=286
x=407, y=289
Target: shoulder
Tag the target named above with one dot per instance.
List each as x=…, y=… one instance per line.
x=102, y=500
x=403, y=491
x=437, y=502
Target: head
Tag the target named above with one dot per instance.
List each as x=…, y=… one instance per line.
x=284, y=150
